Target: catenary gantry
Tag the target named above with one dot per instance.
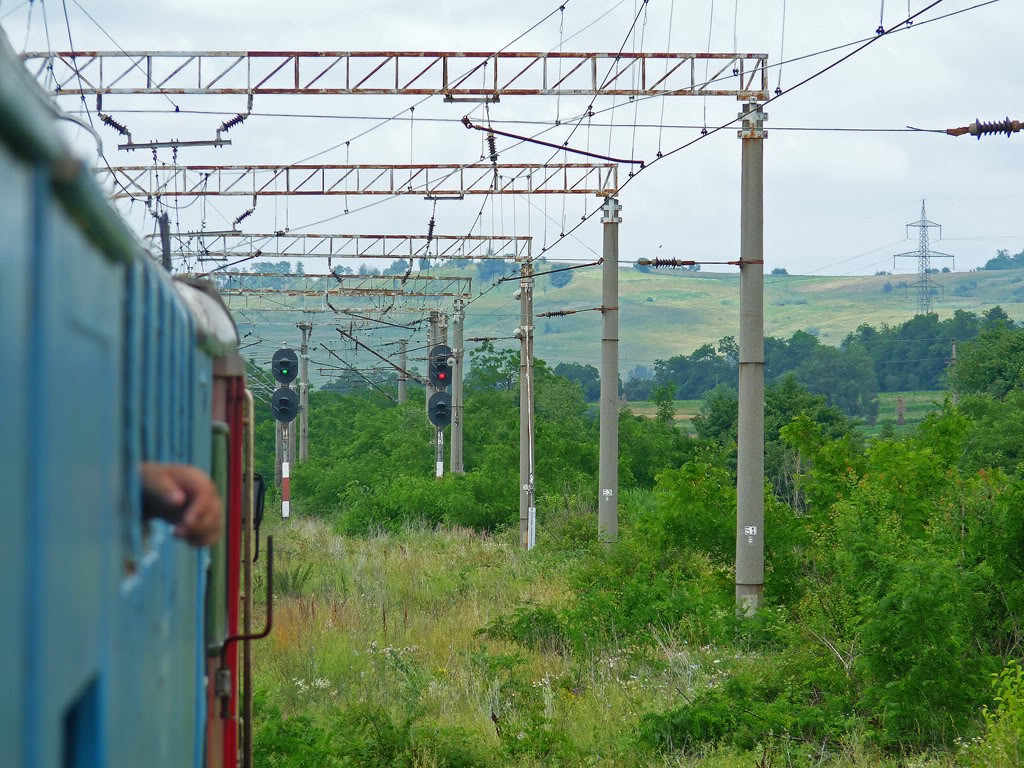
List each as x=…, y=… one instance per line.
x=418, y=73
x=431, y=180
x=301, y=245
x=289, y=284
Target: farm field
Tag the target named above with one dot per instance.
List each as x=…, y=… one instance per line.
x=685, y=410
x=916, y=405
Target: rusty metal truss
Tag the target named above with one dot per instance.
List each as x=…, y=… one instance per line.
x=288, y=284
x=267, y=292
x=255, y=301
x=348, y=322
x=222, y=246
x=415, y=73
x=447, y=180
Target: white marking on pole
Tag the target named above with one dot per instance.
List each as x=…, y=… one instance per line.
x=531, y=537
x=440, y=468
x=285, y=490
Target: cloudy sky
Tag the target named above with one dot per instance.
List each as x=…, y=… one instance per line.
x=836, y=203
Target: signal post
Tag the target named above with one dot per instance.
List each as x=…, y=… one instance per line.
x=306, y=329
x=457, y=373
x=527, y=504
x=285, y=407
x=439, y=406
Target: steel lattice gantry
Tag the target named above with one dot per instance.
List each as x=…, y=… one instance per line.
x=446, y=180
x=422, y=73
x=249, y=301
x=266, y=292
x=288, y=284
x=291, y=245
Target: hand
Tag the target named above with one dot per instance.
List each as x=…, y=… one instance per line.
x=181, y=483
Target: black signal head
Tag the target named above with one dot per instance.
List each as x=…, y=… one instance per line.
x=285, y=366
x=285, y=404
x=439, y=409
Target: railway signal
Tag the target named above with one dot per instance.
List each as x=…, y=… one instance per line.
x=441, y=362
x=285, y=366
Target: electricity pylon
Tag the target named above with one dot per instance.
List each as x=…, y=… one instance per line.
x=924, y=254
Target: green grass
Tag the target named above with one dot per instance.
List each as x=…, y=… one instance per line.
x=669, y=313
x=381, y=609
x=376, y=623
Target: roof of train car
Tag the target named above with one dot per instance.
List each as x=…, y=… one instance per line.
x=27, y=128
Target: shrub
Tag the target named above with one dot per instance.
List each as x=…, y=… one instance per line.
x=921, y=669
x=1003, y=743
x=295, y=742
x=758, y=702
x=530, y=626
x=471, y=500
x=567, y=521
x=292, y=582
x=622, y=594
x=696, y=510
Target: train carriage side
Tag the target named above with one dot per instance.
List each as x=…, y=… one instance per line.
x=107, y=657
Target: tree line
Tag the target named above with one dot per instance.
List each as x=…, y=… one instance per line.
x=909, y=356
x=913, y=355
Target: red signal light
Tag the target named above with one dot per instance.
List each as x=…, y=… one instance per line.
x=442, y=375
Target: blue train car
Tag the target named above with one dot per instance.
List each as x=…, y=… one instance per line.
x=113, y=630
